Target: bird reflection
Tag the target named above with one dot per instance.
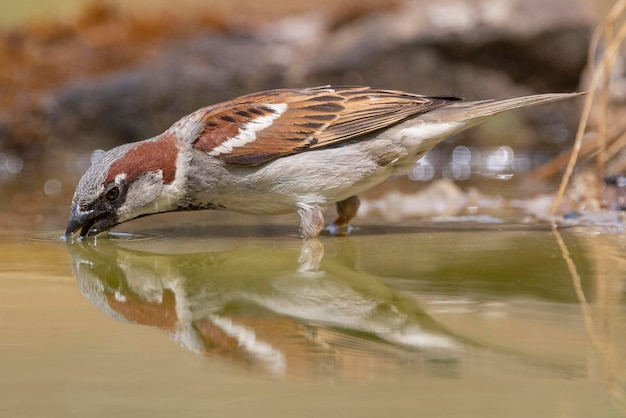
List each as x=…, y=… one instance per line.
x=284, y=308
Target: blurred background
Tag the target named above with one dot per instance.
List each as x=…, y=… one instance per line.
x=78, y=77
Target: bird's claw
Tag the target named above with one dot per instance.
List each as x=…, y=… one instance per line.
x=339, y=230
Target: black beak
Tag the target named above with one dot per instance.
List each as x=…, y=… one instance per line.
x=90, y=222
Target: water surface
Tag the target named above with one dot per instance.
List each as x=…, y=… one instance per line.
x=433, y=319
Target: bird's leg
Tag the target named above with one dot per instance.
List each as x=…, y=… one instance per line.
x=346, y=209
x=311, y=220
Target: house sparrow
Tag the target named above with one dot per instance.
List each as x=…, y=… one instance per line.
x=276, y=152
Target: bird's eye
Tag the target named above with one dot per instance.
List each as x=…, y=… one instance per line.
x=112, y=194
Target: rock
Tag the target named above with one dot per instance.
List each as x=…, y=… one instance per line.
x=440, y=198
x=144, y=101
x=537, y=43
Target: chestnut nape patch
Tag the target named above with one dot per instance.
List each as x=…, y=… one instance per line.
x=150, y=156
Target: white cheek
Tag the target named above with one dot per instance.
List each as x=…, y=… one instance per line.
x=142, y=197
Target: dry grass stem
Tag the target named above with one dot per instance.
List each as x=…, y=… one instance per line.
x=598, y=86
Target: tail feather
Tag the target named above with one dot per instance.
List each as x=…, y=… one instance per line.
x=425, y=131
x=479, y=110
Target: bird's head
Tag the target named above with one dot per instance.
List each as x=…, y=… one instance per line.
x=128, y=181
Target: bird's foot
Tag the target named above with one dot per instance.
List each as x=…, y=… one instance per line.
x=346, y=209
x=339, y=230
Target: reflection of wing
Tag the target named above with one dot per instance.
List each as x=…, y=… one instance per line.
x=253, y=304
x=263, y=126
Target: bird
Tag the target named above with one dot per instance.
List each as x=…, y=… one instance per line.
x=277, y=151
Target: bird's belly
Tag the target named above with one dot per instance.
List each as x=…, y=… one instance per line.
x=291, y=190
x=286, y=199
x=256, y=204
x=314, y=178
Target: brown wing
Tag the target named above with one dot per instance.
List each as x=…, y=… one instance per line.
x=260, y=127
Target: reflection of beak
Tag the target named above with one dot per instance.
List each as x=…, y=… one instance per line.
x=89, y=222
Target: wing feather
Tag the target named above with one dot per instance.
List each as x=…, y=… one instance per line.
x=263, y=126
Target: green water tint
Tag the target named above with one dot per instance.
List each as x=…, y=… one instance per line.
x=485, y=315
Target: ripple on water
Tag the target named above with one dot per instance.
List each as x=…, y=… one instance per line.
x=55, y=236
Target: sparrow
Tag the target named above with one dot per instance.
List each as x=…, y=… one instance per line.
x=275, y=152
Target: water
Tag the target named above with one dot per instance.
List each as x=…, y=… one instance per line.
x=195, y=319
